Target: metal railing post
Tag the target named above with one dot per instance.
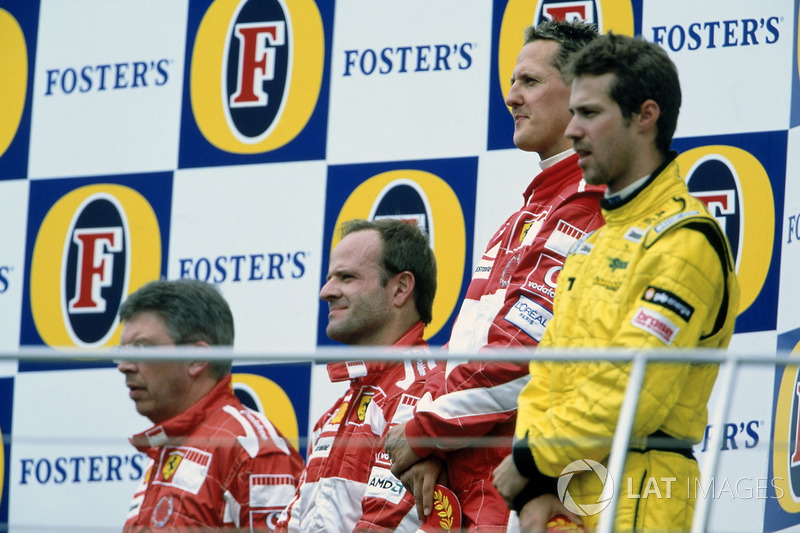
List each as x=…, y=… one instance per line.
x=622, y=435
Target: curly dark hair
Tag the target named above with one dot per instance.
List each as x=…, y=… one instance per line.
x=643, y=71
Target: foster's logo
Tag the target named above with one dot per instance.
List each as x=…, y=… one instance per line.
x=81, y=264
x=786, y=438
x=736, y=189
x=13, y=78
x=256, y=72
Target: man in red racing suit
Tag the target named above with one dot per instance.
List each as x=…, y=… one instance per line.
x=380, y=289
x=218, y=463
x=213, y=463
x=347, y=484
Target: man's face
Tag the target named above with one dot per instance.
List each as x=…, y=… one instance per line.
x=604, y=140
x=156, y=387
x=359, y=306
x=538, y=101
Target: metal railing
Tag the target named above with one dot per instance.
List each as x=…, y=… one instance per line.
x=730, y=362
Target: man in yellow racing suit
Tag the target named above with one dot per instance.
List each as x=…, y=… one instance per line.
x=658, y=275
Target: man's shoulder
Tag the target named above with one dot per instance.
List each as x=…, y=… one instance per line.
x=250, y=429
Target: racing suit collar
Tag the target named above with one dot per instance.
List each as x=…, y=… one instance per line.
x=411, y=342
x=617, y=201
x=173, y=430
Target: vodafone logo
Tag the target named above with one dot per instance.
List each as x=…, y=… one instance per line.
x=256, y=72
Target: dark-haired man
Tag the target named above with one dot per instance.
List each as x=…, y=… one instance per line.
x=659, y=274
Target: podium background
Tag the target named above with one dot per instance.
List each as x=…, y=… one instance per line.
x=145, y=139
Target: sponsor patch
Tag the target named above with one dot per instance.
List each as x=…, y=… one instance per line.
x=382, y=484
x=184, y=468
x=322, y=448
x=669, y=301
x=530, y=317
x=615, y=263
x=405, y=409
x=483, y=269
x=584, y=248
x=563, y=237
x=363, y=403
x=271, y=490
x=656, y=324
x=530, y=228
x=634, y=235
x=674, y=219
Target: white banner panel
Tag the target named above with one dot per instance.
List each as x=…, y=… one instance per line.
x=728, y=54
x=738, y=490
x=789, y=294
x=72, y=467
x=254, y=230
x=107, y=87
x=409, y=80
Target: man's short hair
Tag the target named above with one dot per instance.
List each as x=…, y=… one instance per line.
x=570, y=35
x=406, y=247
x=192, y=311
x=643, y=72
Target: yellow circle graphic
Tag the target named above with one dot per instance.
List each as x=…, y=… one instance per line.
x=13, y=77
x=757, y=214
x=272, y=402
x=50, y=252
x=616, y=15
x=447, y=229
x=307, y=56
x=783, y=433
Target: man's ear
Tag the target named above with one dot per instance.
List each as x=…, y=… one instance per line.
x=404, y=283
x=648, y=115
x=198, y=367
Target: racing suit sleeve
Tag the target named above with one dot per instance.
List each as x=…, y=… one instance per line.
x=580, y=424
x=476, y=396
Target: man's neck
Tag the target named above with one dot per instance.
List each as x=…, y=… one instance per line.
x=550, y=161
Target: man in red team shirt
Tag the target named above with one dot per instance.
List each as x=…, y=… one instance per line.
x=467, y=418
x=214, y=463
x=380, y=289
